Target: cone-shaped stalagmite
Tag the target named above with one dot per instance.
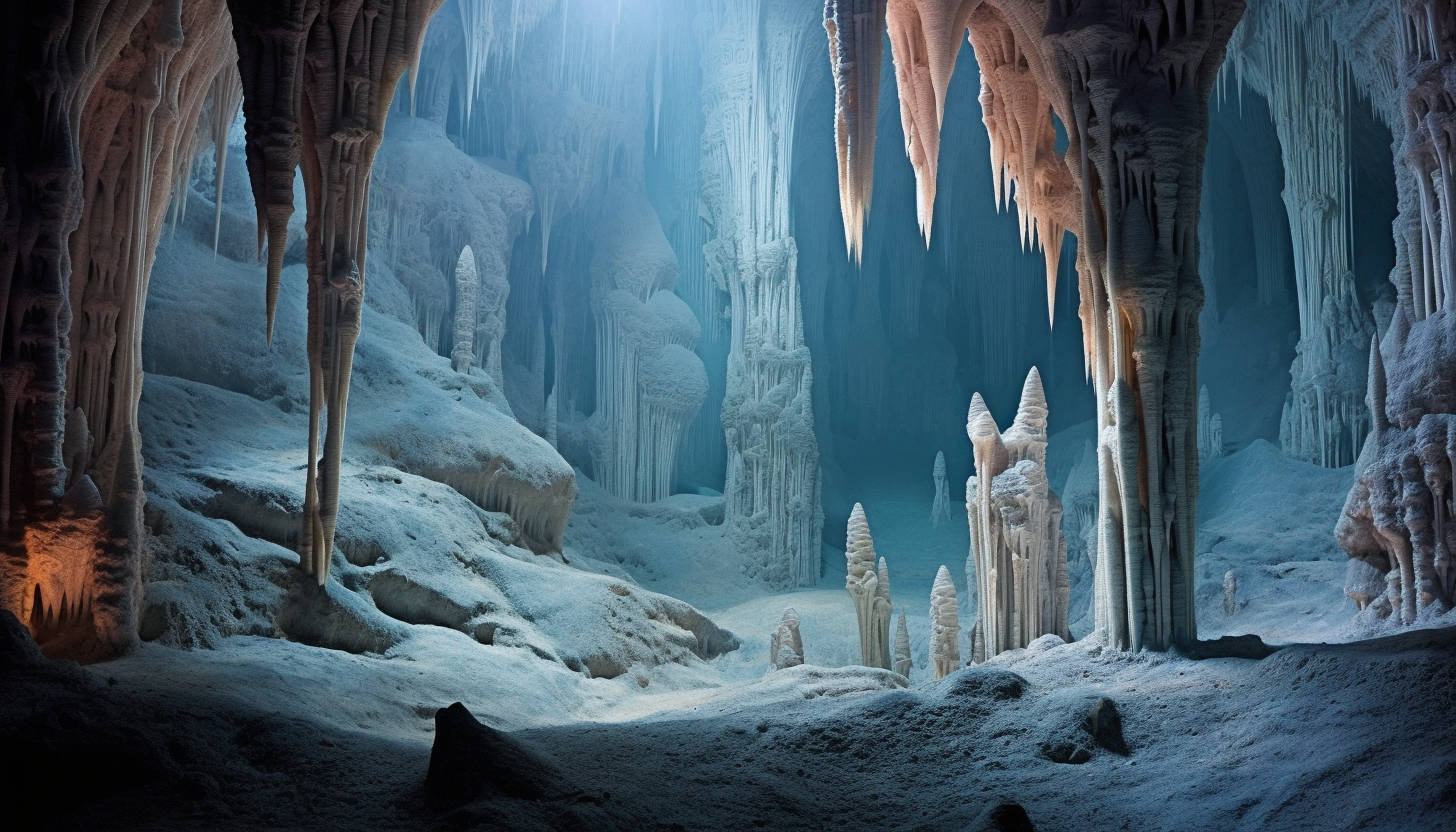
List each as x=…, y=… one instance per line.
x=869, y=584
x=945, y=626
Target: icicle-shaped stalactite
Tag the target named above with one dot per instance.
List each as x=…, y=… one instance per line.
x=95, y=138
x=945, y=626
x=649, y=383
x=1399, y=522
x=786, y=645
x=855, y=29
x=318, y=78
x=462, y=355
x=941, y=509
x=756, y=59
x=1287, y=51
x=925, y=38
x=869, y=585
x=227, y=99
x=1018, y=556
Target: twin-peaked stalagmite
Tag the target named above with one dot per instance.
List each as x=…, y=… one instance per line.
x=1018, y=556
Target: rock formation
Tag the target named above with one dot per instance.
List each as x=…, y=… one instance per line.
x=945, y=626
x=1129, y=83
x=1210, y=429
x=786, y=646
x=1398, y=517
x=869, y=585
x=462, y=355
x=1018, y=556
x=755, y=58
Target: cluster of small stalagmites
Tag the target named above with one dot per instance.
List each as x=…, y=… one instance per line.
x=945, y=626
x=296, y=60
x=100, y=124
x=1399, y=523
x=855, y=29
x=940, y=510
x=1018, y=556
x=1210, y=429
x=869, y=584
x=786, y=645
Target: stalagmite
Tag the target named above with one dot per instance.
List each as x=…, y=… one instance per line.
x=462, y=355
x=1397, y=525
x=903, y=662
x=941, y=509
x=1018, y=555
x=297, y=62
x=855, y=29
x=756, y=59
x=786, y=646
x=1210, y=429
x=869, y=585
x=945, y=626
x=1230, y=592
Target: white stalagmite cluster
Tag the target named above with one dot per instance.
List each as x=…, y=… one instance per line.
x=786, y=646
x=855, y=29
x=756, y=58
x=1399, y=525
x=1210, y=429
x=1018, y=555
x=649, y=383
x=903, y=661
x=945, y=626
x=869, y=584
x=941, y=509
x=1287, y=51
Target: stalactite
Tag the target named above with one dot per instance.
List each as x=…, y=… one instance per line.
x=1018, y=556
x=227, y=99
x=318, y=78
x=925, y=36
x=855, y=29
x=756, y=61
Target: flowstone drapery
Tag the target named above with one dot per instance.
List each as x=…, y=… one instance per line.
x=1286, y=50
x=1018, y=555
x=1129, y=81
x=755, y=57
